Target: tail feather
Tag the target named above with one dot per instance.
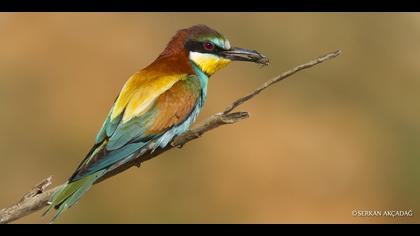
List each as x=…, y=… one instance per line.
x=70, y=193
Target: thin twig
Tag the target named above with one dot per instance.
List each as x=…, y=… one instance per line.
x=38, y=197
x=280, y=78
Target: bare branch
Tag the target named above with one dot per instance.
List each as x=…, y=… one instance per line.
x=280, y=78
x=38, y=197
x=32, y=201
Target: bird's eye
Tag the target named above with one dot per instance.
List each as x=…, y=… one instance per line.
x=209, y=46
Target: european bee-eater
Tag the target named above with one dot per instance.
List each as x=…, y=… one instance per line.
x=156, y=104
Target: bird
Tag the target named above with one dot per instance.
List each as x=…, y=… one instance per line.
x=155, y=105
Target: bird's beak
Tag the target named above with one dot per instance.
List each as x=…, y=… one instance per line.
x=240, y=54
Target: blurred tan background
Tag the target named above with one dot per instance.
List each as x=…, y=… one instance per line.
x=339, y=137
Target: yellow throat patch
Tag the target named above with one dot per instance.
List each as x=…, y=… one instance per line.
x=209, y=63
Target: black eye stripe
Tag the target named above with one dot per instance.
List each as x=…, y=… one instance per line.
x=196, y=46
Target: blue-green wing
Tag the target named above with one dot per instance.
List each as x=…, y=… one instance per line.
x=114, y=142
x=118, y=141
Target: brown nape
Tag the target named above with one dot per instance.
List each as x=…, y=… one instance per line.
x=176, y=44
x=174, y=58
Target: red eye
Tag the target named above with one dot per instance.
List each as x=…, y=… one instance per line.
x=208, y=46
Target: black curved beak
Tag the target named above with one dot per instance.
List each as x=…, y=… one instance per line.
x=241, y=54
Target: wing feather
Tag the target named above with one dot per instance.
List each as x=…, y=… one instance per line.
x=145, y=120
